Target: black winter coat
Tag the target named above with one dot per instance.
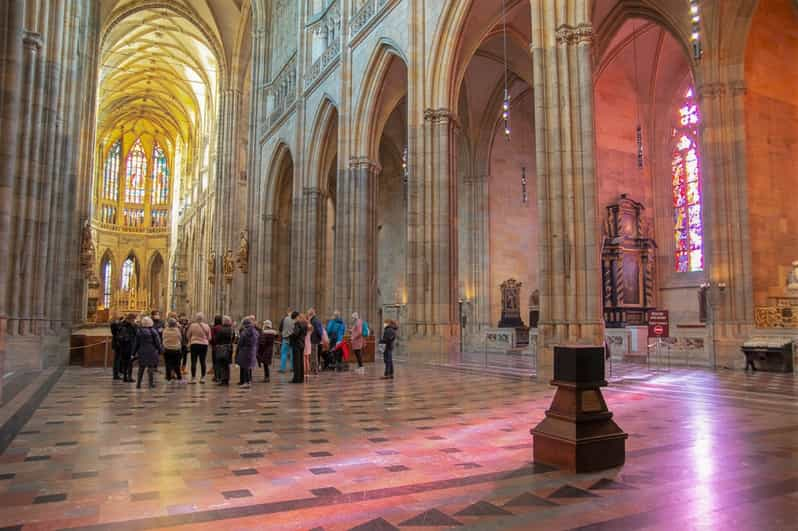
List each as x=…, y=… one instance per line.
x=148, y=347
x=298, y=335
x=388, y=338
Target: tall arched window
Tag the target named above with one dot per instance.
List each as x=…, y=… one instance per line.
x=111, y=172
x=687, y=192
x=128, y=268
x=136, y=171
x=107, y=280
x=160, y=176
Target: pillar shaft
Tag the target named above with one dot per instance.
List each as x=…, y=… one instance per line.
x=569, y=246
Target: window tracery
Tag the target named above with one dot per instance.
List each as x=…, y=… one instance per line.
x=136, y=169
x=687, y=189
x=111, y=172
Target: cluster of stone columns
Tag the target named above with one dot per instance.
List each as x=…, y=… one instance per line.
x=48, y=81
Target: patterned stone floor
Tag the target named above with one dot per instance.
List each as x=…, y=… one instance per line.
x=433, y=449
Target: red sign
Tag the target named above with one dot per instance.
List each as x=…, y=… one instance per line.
x=658, y=323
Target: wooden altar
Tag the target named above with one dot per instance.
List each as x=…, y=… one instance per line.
x=627, y=265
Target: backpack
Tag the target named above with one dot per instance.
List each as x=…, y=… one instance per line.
x=366, y=331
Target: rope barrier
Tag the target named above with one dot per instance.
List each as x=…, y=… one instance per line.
x=89, y=346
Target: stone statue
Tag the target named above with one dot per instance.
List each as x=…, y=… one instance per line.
x=87, y=250
x=792, y=279
x=228, y=265
x=212, y=267
x=534, y=299
x=243, y=252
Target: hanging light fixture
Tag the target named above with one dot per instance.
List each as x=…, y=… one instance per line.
x=639, y=128
x=404, y=164
x=524, y=195
x=506, y=102
x=695, y=33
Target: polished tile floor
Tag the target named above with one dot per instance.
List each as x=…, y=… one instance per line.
x=434, y=448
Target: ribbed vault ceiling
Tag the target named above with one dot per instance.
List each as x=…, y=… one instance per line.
x=157, y=74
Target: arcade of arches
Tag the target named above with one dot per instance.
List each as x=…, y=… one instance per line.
x=244, y=156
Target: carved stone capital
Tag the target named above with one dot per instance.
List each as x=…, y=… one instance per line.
x=570, y=35
x=711, y=90
x=365, y=162
x=442, y=115
x=32, y=40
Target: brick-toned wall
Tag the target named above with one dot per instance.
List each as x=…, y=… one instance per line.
x=771, y=107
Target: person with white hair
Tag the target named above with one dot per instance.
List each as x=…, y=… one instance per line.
x=148, y=349
x=199, y=336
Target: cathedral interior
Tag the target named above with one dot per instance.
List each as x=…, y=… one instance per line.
x=529, y=190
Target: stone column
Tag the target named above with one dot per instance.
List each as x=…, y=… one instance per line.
x=12, y=14
x=570, y=288
x=356, y=248
x=727, y=251
x=226, y=200
x=312, y=241
x=432, y=237
x=478, y=289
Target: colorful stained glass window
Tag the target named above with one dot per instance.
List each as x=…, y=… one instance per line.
x=111, y=172
x=128, y=267
x=136, y=171
x=107, y=279
x=687, y=189
x=133, y=217
x=160, y=176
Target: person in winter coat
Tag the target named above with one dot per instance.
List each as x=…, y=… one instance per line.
x=308, y=347
x=358, y=342
x=316, y=337
x=116, y=327
x=173, y=346
x=336, y=330
x=199, y=336
x=223, y=350
x=148, y=348
x=217, y=325
x=246, y=357
x=389, y=340
x=297, y=339
x=266, y=342
x=127, y=343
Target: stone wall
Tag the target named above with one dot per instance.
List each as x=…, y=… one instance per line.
x=771, y=105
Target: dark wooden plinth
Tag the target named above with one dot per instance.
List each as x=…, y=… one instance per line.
x=578, y=433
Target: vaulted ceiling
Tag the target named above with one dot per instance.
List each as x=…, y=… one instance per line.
x=162, y=64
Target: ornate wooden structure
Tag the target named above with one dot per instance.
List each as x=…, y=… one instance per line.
x=627, y=264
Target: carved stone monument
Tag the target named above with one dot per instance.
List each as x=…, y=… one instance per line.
x=243, y=253
x=511, y=311
x=511, y=308
x=212, y=267
x=87, y=250
x=228, y=265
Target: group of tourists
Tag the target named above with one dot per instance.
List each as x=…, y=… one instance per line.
x=305, y=344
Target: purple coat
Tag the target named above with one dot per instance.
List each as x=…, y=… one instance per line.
x=246, y=357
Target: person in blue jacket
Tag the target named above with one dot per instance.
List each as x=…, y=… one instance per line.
x=336, y=330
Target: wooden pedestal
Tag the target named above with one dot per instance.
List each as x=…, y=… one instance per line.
x=578, y=433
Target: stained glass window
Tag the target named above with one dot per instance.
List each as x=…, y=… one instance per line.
x=107, y=278
x=136, y=170
x=160, y=176
x=687, y=189
x=111, y=172
x=159, y=218
x=128, y=268
x=134, y=217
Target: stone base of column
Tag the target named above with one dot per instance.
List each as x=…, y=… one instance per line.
x=578, y=433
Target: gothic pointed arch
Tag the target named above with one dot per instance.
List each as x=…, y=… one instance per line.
x=324, y=143
x=384, y=85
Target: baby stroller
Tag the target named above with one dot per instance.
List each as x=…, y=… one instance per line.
x=340, y=355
